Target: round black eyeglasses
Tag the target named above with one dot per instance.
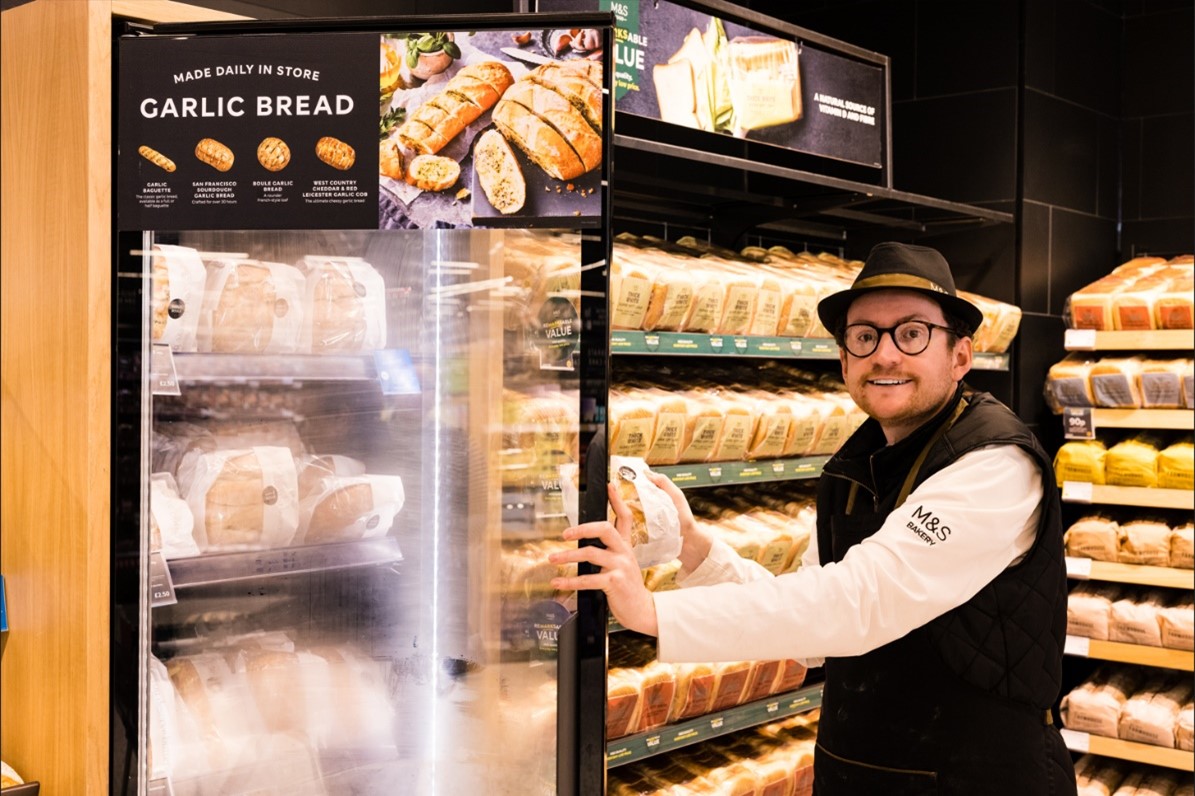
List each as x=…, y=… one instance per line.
x=910, y=337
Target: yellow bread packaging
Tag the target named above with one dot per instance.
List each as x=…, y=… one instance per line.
x=1080, y=461
x=1175, y=465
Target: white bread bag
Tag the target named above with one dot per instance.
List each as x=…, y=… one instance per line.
x=1089, y=609
x=171, y=523
x=348, y=704
x=1184, y=728
x=1094, y=536
x=1098, y=776
x=1182, y=546
x=246, y=498
x=217, y=704
x=655, y=530
x=179, y=278
x=175, y=745
x=339, y=503
x=290, y=288
x=1151, y=715
x=238, y=306
x=1094, y=705
x=345, y=306
x=1134, y=619
x=1177, y=622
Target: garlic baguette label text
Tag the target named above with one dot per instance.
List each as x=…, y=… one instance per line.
x=281, y=105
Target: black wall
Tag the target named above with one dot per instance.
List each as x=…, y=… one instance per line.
x=1076, y=115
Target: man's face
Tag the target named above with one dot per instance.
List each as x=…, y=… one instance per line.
x=899, y=390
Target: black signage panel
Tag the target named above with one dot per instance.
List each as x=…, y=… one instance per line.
x=690, y=68
x=248, y=132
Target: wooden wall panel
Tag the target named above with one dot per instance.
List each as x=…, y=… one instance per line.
x=54, y=407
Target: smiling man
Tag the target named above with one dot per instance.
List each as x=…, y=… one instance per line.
x=934, y=592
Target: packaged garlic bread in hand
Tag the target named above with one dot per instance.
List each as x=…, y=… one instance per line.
x=655, y=528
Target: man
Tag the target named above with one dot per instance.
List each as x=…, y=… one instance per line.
x=934, y=590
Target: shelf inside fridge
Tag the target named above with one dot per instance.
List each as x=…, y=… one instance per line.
x=674, y=736
x=207, y=570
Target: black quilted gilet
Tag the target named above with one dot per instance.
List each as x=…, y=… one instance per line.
x=1006, y=640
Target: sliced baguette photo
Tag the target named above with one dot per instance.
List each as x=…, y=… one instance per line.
x=543, y=143
x=469, y=93
x=584, y=95
x=499, y=173
x=433, y=173
x=562, y=116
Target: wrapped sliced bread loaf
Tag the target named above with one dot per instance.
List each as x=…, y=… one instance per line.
x=1182, y=546
x=1184, y=728
x=1161, y=383
x=251, y=307
x=1176, y=466
x=1095, y=536
x=1134, y=619
x=1150, y=716
x=346, y=305
x=1133, y=461
x=244, y=498
x=1068, y=383
x=1089, y=609
x=1094, y=705
x=1144, y=542
x=1098, y=776
x=171, y=523
x=179, y=280
x=1080, y=461
x=1177, y=623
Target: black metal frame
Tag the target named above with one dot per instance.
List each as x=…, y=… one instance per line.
x=581, y=753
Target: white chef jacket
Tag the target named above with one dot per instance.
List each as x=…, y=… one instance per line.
x=955, y=533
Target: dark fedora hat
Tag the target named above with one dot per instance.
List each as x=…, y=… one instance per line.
x=901, y=266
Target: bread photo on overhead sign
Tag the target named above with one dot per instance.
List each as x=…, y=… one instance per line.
x=553, y=116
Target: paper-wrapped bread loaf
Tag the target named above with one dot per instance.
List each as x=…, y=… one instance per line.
x=1176, y=466
x=1151, y=715
x=1089, y=609
x=244, y=498
x=1133, y=462
x=346, y=306
x=178, y=294
x=1094, y=536
x=1145, y=542
x=1080, y=461
x=1094, y=705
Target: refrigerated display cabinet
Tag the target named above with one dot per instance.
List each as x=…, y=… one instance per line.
x=354, y=412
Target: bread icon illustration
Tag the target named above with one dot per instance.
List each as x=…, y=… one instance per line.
x=157, y=158
x=215, y=154
x=273, y=153
x=335, y=153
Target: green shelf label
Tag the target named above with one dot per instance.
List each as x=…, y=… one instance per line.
x=699, y=475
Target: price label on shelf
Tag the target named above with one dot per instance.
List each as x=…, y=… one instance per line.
x=1078, y=568
x=1076, y=741
x=1076, y=491
x=1077, y=645
x=161, y=585
x=1079, y=340
x=163, y=378
x=1077, y=422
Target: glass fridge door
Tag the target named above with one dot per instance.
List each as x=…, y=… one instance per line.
x=356, y=400
x=360, y=448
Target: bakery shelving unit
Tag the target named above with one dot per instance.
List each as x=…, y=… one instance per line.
x=671, y=177
x=1140, y=575
x=1143, y=497
x=212, y=569
x=1085, y=743
x=1182, y=340
x=1160, y=657
x=632, y=748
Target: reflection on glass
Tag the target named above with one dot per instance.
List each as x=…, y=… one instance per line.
x=357, y=489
